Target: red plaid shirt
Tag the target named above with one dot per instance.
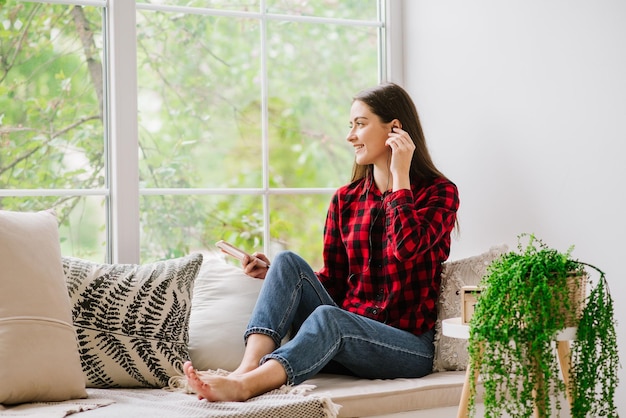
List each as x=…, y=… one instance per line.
x=383, y=253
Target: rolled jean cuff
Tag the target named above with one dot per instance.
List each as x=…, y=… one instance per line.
x=265, y=331
x=283, y=362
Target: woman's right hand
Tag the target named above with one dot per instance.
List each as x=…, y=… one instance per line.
x=253, y=268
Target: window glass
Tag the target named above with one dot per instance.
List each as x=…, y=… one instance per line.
x=199, y=101
x=314, y=70
x=297, y=224
x=51, y=120
x=51, y=96
x=175, y=225
x=344, y=9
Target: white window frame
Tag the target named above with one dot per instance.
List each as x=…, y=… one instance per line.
x=122, y=128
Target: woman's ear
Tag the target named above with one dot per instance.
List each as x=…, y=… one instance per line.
x=396, y=124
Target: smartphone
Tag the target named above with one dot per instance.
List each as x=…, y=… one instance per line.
x=236, y=252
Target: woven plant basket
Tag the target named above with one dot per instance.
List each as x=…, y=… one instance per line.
x=577, y=292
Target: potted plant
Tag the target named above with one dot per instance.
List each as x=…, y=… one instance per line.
x=527, y=297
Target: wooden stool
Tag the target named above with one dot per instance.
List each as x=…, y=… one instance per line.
x=453, y=327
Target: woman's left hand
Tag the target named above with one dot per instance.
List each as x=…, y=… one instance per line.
x=402, y=149
x=253, y=268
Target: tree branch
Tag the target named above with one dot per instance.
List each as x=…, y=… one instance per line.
x=89, y=47
x=52, y=136
x=17, y=45
x=21, y=158
x=74, y=125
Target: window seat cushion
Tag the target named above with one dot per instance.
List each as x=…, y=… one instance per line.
x=364, y=397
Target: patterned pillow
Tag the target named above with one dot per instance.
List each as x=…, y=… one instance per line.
x=132, y=321
x=451, y=353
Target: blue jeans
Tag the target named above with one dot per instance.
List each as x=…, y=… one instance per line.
x=292, y=300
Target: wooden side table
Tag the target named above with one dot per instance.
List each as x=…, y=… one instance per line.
x=453, y=327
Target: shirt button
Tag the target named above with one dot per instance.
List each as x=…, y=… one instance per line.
x=375, y=311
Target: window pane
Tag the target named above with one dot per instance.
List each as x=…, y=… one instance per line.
x=199, y=101
x=297, y=224
x=344, y=9
x=51, y=123
x=51, y=92
x=314, y=71
x=82, y=222
x=173, y=226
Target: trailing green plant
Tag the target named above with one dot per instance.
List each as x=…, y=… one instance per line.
x=527, y=297
x=595, y=355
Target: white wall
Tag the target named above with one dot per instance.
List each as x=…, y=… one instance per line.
x=524, y=107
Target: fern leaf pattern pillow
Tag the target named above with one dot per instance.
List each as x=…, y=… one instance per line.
x=131, y=321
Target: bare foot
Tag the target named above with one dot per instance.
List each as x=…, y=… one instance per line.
x=214, y=387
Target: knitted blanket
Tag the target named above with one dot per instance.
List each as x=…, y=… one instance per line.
x=286, y=402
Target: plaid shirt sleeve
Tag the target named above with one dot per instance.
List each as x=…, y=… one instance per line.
x=383, y=253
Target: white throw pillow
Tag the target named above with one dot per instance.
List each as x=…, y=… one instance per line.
x=223, y=299
x=132, y=321
x=38, y=352
x=451, y=353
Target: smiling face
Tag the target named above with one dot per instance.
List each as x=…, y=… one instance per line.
x=368, y=135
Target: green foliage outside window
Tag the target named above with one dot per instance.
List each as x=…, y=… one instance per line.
x=51, y=130
x=200, y=114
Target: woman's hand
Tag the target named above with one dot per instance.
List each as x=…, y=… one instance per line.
x=402, y=149
x=253, y=268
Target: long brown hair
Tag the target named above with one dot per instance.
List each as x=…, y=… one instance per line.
x=389, y=101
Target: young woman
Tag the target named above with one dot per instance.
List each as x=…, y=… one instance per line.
x=371, y=309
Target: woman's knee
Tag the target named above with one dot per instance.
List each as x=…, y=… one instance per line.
x=290, y=265
x=287, y=257
x=326, y=316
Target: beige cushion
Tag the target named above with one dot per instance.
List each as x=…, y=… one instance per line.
x=451, y=353
x=38, y=352
x=132, y=320
x=223, y=299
